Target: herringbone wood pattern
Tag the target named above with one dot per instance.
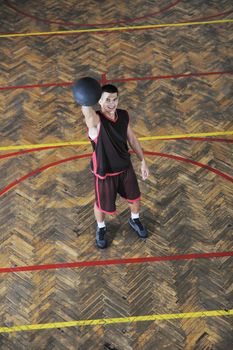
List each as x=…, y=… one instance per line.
x=48, y=218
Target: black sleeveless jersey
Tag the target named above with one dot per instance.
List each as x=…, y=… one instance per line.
x=111, y=155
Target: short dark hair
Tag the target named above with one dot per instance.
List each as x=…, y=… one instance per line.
x=109, y=88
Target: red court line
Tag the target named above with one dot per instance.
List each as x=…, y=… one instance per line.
x=213, y=16
x=35, y=86
x=186, y=160
x=39, y=170
x=193, y=162
x=220, y=14
x=104, y=80
x=116, y=262
x=20, y=153
x=168, y=7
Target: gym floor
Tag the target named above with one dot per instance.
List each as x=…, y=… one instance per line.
x=172, y=62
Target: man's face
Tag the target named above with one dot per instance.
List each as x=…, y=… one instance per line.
x=109, y=102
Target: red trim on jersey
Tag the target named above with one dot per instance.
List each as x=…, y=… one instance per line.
x=108, y=174
x=116, y=117
x=98, y=131
x=94, y=162
x=104, y=211
x=132, y=200
x=98, y=194
x=107, y=125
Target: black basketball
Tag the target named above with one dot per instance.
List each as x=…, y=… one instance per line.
x=87, y=91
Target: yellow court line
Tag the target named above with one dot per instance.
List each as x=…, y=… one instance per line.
x=204, y=134
x=146, y=138
x=105, y=321
x=93, y=30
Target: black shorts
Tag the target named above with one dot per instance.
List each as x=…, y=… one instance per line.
x=106, y=190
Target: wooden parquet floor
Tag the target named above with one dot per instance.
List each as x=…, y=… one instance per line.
x=47, y=217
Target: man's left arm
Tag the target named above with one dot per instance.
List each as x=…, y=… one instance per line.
x=135, y=145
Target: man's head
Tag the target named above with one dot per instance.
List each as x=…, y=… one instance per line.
x=109, y=99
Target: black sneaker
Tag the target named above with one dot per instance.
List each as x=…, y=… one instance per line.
x=138, y=227
x=100, y=241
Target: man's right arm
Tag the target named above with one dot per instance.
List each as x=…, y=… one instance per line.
x=91, y=119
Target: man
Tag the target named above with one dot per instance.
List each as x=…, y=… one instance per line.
x=109, y=131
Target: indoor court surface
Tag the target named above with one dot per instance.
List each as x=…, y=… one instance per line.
x=172, y=61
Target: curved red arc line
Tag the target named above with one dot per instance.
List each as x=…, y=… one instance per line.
x=16, y=182
x=213, y=16
x=116, y=262
x=92, y=24
x=116, y=22
x=193, y=162
x=19, y=153
x=39, y=170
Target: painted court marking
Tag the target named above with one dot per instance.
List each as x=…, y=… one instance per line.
x=115, y=29
x=152, y=14
x=125, y=261
x=146, y=138
x=119, y=80
x=105, y=321
x=165, y=155
x=20, y=153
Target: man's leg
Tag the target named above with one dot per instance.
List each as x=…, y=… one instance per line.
x=105, y=197
x=128, y=188
x=99, y=215
x=134, y=207
x=134, y=220
x=101, y=242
